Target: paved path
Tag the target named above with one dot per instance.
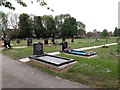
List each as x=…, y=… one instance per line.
x=85, y=48
x=92, y=47
x=16, y=47
x=20, y=75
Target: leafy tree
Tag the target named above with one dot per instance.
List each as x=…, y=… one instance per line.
x=69, y=28
x=49, y=25
x=80, y=29
x=116, y=32
x=3, y=23
x=8, y=4
x=105, y=33
x=24, y=26
x=38, y=27
x=89, y=34
x=59, y=20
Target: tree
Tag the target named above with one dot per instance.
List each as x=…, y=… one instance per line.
x=80, y=29
x=38, y=27
x=116, y=32
x=9, y=5
x=24, y=26
x=13, y=22
x=89, y=34
x=105, y=33
x=69, y=28
x=3, y=23
x=49, y=25
x=59, y=20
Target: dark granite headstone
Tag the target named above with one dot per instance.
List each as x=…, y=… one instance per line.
x=7, y=43
x=72, y=40
x=64, y=45
x=63, y=39
x=38, y=49
x=18, y=41
x=46, y=41
x=53, y=40
x=29, y=42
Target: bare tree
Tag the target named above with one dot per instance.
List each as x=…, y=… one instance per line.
x=13, y=21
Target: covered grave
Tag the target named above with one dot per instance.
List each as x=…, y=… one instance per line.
x=51, y=61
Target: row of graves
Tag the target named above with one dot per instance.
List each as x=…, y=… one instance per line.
x=56, y=63
x=52, y=62
x=7, y=44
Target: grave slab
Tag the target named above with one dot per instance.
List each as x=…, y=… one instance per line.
x=24, y=60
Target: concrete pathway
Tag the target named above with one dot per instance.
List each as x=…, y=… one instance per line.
x=20, y=75
x=15, y=47
x=85, y=48
x=92, y=47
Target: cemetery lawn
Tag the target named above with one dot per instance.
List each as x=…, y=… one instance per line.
x=78, y=43
x=100, y=71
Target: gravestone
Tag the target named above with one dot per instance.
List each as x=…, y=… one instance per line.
x=18, y=41
x=53, y=40
x=7, y=43
x=46, y=41
x=29, y=42
x=63, y=39
x=72, y=40
x=106, y=40
x=64, y=45
x=38, y=49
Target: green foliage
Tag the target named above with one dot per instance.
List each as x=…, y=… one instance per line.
x=89, y=34
x=3, y=21
x=9, y=5
x=105, y=33
x=38, y=27
x=24, y=26
x=69, y=28
x=44, y=26
x=50, y=25
x=80, y=29
x=115, y=32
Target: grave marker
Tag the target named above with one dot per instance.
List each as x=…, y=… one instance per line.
x=38, y=49
x=46, y=41
x=29, y=42
x=64, y=45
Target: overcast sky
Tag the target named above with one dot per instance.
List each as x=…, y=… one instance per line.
x=95, y=14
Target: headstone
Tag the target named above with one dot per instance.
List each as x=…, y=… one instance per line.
x=63, y=39
x=64, y=45
x=72, y=40
x=18, y=41
x=106, y=40
x=38, y=49
x=29, y=42
x=46, y=41
x=53, y=40
x=7, y=43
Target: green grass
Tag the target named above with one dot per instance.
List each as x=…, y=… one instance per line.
x=18, y=53
x=100, y=71
x=78, y=42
